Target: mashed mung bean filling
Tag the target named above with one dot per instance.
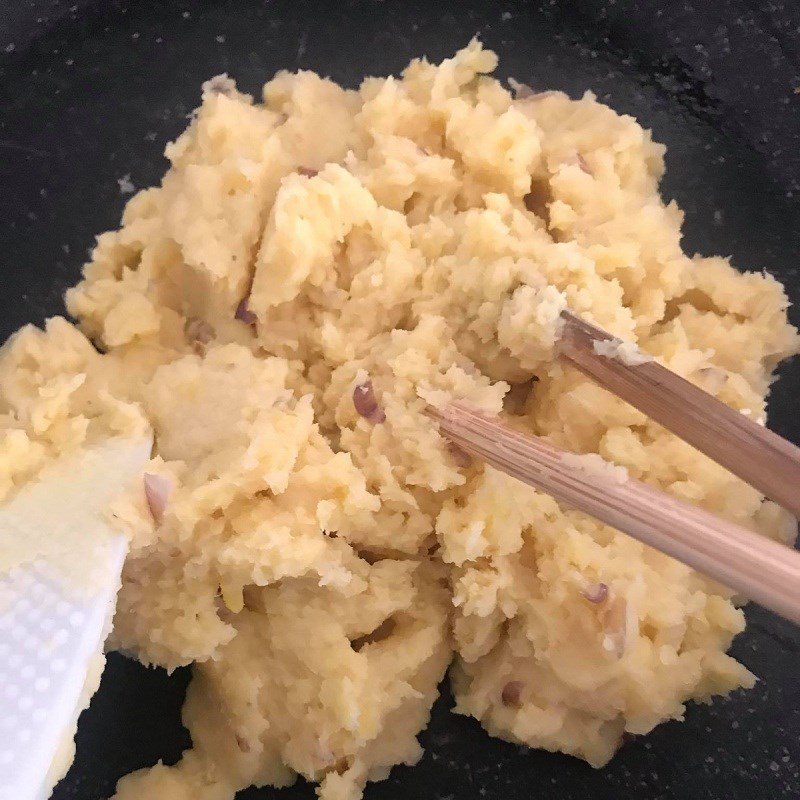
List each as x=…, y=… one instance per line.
x=317, y=266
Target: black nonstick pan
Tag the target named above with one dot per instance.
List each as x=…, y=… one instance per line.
x=90, y=91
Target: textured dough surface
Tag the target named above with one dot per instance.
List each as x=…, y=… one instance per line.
x=321, y=569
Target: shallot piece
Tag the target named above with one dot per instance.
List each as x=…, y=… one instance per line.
x=524, y=92
x=157, y=489
x=616, y=627
x=220, y=84
x=323, y=751
x=583, y=164
x=199, y=333
x=307, y=171
x=521, y=90
x=595, y=592
x=512, y=693
x=366, y=404
x=243, y=312
x=544, y=94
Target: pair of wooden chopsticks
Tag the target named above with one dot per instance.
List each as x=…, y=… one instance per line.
x=758, y=568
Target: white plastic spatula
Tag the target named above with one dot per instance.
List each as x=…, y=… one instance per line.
x=60, y=565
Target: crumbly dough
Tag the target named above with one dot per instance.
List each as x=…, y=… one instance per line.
x=322, y=568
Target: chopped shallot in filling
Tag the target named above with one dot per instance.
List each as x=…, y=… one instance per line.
x=199, y=333
x=524, y=92
x=618, y=627
x=595, y=592
x=243, y=312
x=157, y=489
x=366, y=404
x=512, y=693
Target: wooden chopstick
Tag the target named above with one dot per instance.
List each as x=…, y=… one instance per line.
x=754, y=453
x=757, y=567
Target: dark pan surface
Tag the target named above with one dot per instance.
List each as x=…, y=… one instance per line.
x=91, y=92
